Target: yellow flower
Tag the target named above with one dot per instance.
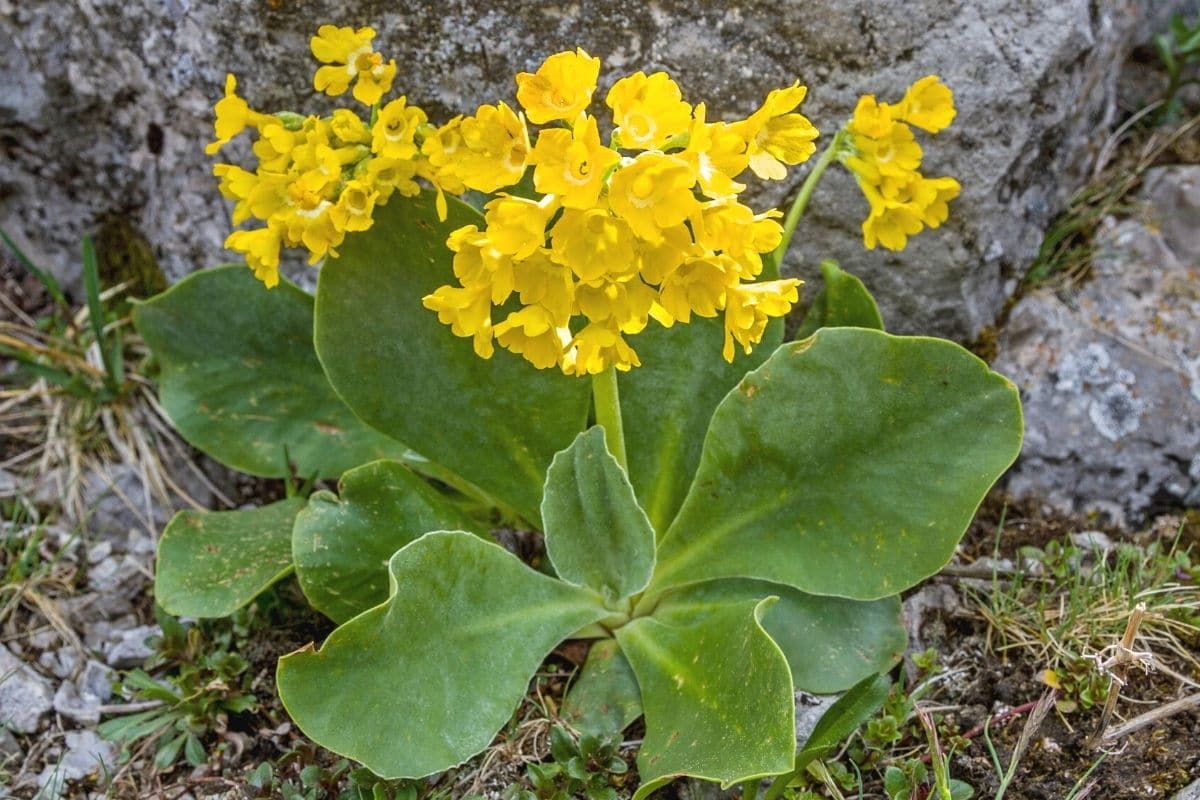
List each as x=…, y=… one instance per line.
x=871, y=118
x=516, y=226
x=648, y=111
x=572, y=163
x=468, y=312
x=895, y=155
x=624, y=305
x=657, y=260
x=477, y=263
x=890, y=222
x=233, y=115
x=394, y=132
x=258, y=195
x=653, y=192
x=261, y=249
x=531, y=332
x=349, y=57
x=495, y=148
x=349, y=127
x=697, y=287
x=748, y=308
x=561, y=88
x=735, y=230
x=596, y=348
x=309, y=223
x=717, y=153
x=937, y=207
x=540, y=281
x=928, y=104
x=777, y=136
x=389, y=175
x=354, y=207
x=593, y=243
x=441, y=149
x=274, y=147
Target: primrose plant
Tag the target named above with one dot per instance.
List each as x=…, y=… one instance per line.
x=728, y=517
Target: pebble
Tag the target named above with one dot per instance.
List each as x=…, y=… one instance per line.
x=25, y=696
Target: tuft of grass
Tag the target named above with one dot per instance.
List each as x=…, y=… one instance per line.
x=78, y=399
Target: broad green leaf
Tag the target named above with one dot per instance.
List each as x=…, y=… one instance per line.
x=605, y=699
x=843, y=718
x=717, y=696
x=495, y=422
x=849, y=464
x=667, y=403
x=831, y=643
x=211, y=563
x=424, y=681
x=240, y=379
x=596, y=534
x=342, y=543
x=843, y=302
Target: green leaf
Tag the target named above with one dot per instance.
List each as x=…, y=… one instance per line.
x=596, y=534
x=240, y=379
x=667, y=404
x=424, y=681
x=717, y=697
x=849, y=464
x=496, y=422
x=830, y=643
x=843, y=718
x=605, y=699
x=342, y=546
x=211, y=563
x=843, y=302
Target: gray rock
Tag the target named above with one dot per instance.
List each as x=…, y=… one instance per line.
x=81, y=699
x=1092, y=540
x=86, y=754
x=108, y=104
x=809, y=710
x=10, y=748
x=130, y=649
x=1110, y=375
x=1189, y=792
x=24, y=694
x=61, y=663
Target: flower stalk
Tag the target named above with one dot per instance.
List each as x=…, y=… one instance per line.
x=607, y=402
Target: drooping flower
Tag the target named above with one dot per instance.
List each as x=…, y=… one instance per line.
x=928, y=104
x=776, y=135
x=233, y=115
x=495, y=148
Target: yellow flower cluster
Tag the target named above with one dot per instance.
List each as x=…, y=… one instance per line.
x=647, y=226
x=319, y=178
x=885, y=158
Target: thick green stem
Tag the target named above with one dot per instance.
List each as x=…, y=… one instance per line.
x=779, y=784
x=750, y=790
x=805, y=193
x=608, y=413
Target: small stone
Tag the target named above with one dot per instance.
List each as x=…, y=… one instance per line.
x=88, y=754
x=81, y=699
x=131, y=649
x=98, y=552
x=1189, y=792
x=8, y=484
x=809, y=710
x=25, y=696
x=10, y=748
x=61, y=663
x=1096, y=541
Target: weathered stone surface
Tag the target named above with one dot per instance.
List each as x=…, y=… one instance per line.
x=1110, y=376
x=24, y=694
x=107, y=104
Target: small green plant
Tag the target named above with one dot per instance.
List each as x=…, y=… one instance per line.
x=1178, y=49
x=190, y=703
x=295, y=776
x=590, y=767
